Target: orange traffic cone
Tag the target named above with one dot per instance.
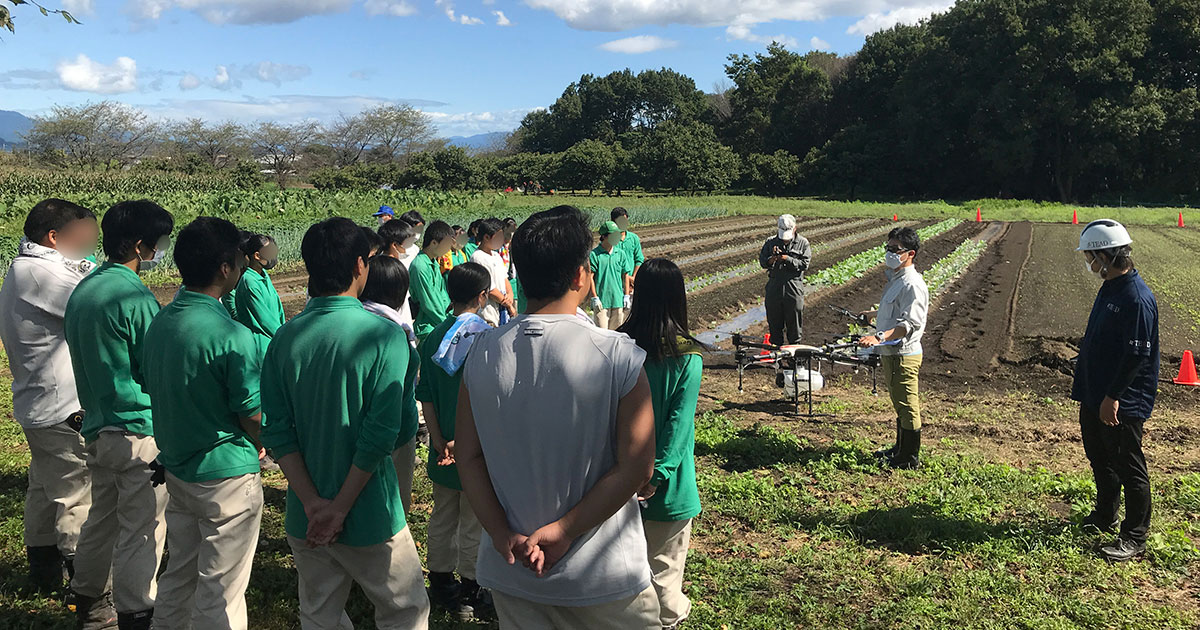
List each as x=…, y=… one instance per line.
x=895, y=217
x=1074, y=217
x=1181, y=219
x=979, y=214
x=1187, y=371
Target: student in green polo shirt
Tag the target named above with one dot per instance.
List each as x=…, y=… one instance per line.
x=201, y=370
x=454, y=531
x=258, y=306
x=631, y=243
x=332, y=394
x=658, y=323
x=106, y=319
x=427, y=285
x=610, y=278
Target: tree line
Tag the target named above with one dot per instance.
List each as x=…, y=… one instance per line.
x=1073, y=100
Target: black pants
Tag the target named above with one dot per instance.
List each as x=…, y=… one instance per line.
x=1117, y=461
x=785, y=312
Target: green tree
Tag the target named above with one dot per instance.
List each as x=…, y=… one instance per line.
x=687, y=156
x=586, y=166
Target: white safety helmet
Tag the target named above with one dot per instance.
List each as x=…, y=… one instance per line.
x=1103, y=234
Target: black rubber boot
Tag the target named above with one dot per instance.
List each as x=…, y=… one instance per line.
x=908, y=452
x=446, y=593
x=94, y=613
x=46, y=570
x=140, y=620
x=887, y=453
x=480, y=599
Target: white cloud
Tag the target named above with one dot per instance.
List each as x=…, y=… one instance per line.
x=78, y=7
x=880, y=21
x=277, y=73
x=240, y=11
x=470, y=21
x=394, y=8
x=189, y=82
x=221, y=80
x=638, y=44
x=743, y=32
x=819, y=44
x=501, y=19
x=85, y=75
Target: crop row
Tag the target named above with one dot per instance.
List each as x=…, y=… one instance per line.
x=944, y=272
x=859, y=264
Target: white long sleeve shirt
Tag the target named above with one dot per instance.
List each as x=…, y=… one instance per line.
x=33, y=299
x=905, y=301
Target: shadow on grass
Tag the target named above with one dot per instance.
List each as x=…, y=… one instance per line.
x=763, y=447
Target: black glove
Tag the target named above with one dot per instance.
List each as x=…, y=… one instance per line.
x=75, y=421
x=158, y=476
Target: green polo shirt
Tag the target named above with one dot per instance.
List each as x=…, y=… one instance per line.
x=229, y=301
x=105, y=323
x=674, y=388
x=441, y=390
x=632, y=246
x=471, y=248
x=258, y=307
x=428, y=287
x=201, y=371
x=332, y=391
x=610, y=270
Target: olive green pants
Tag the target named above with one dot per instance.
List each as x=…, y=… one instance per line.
x=901, y=373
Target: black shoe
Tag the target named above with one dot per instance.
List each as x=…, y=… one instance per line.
x=908, y=451
x=1123, y=550
x=1093, y=521
x=889, y=452
x=480, y=599
x=46, y=569
x=94, y=613
x=446, y=593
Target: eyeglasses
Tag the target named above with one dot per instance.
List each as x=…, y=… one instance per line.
x=895, y=250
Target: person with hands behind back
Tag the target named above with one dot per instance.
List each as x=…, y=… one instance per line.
x=1116, y=383
x=333, y=397
x=551, y=458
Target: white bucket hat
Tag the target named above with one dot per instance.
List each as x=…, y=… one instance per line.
x=787, y=227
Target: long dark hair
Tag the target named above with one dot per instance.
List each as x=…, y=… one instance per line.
x=659, y=314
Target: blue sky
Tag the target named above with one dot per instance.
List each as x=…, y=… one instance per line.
x=474, y=66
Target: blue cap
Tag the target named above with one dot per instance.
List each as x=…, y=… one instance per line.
x=385, y=210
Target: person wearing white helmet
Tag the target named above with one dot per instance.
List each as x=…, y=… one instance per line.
x=1116, y=380
x=785, y=257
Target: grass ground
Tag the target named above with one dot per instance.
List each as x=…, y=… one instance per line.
x=802, y=528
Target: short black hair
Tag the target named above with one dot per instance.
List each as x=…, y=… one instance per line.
x=253, y=243
x=437, y=231
x=396, y=232
x=331, y=249
x=413, y=218
x=549, y=248
x=456, y=228
x=128, y=222
x=487, y=228
x=617, y=213
x=373, y=239
x=473, y=229
x=510, y=222
x=203, y=246
x=387, y=282
x=466, y=281
x=907, y=237
x=52, y=215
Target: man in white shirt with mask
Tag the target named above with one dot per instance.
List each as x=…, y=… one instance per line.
x=59, y=236
x=900, y=322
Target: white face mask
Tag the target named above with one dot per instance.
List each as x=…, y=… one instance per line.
x=382, y=219
x=1088, y=265
x=892, y=260
x=160, y=252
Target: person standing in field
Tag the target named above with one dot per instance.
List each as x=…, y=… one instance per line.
x=658, y=323
x=202, y=374
x=106, y=319
x=456, y=256
x=229, y=300
x=333, y=395
x=428, y=286
x=491, y=239
x=785, y=257
x=454, y=531
x=564, y=545
x=51, y=261
x=631, y=243
x=387, y=287
x=472, y=238
x=384, y=214
x=1116, y=383
x=257, y=304
x=900, y=323
x=611, y=287
x=398, y=237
